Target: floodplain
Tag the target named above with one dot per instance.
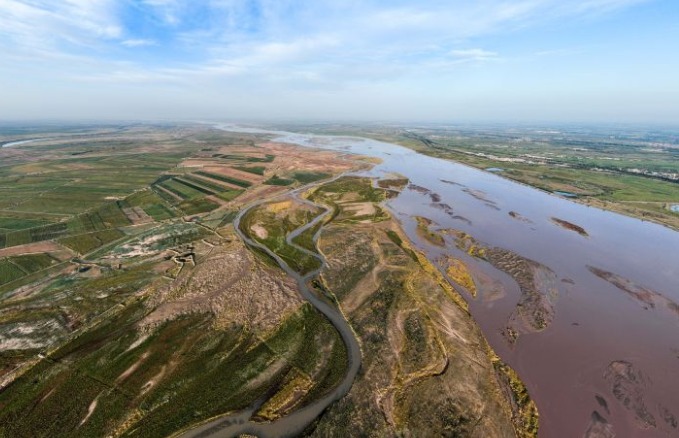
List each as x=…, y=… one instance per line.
x=131, y=306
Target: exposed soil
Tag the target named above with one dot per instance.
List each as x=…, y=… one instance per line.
x=648, y=298
x=137, y=216
x=629, y=386
x=421, y=349
x=519, y=217
x=235, y=173
x=535, y=309
x=259, y=231
x=360, y=208
x=230, y=283
x=398, y=183
x=480, y=195
x=599, y=427
x=538, y=284
x=53, y=248
x=424, y=229
x=570, y=226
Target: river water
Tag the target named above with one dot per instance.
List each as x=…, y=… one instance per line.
x=291, y=425
x=18, y=143
x=605, y=343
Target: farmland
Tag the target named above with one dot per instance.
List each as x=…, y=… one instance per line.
x=129, y=306
x=94, y=265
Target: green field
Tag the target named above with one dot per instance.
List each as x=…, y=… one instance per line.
x=278, y=181
x=14, y=223
x=268, y=158
x=84, y=243
x=180, y=189
x=9, y=272
x=209, y=184
x=224, y=178
x=257, y=170
x=309, y=177
x=33, y=262
x=152, y=204
x=107, y=216
x=196, y=206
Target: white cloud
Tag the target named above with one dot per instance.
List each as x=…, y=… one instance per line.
x=138, y=43
x=43, y=25
x=167, y=10
x=473, y=54
x=265, y=46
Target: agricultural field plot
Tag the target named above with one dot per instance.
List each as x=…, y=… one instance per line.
x=107, y=216
x=17, y=267
x=9, y=272
x=296, y=177
x=256, y=170
x=9, y=223
x=267, y=158
x=30, y=263
x=210, y=186
x=151, y=203
x=197, y=206
x=190, y=197
x=225, y=178
x=84, y=243
x=179, y=189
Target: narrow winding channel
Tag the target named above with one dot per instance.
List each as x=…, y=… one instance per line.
x=293, y=424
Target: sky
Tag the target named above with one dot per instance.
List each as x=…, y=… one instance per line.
x=344, y=60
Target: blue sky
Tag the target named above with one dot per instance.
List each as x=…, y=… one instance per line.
x=427, y=60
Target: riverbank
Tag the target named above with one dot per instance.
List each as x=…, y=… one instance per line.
x=596, y=188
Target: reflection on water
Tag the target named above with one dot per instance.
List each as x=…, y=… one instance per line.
x=565, y=194
x=596, y=323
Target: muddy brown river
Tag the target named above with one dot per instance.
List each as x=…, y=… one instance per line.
x=607, y=359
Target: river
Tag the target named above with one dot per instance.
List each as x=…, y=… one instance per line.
x=295, y=423
x=607, y=343
x=18, y=143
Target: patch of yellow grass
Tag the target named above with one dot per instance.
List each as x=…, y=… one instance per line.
x=30, y=168
x=458, y=272
x=525, y=417
x=297, y=384
x=277, y=207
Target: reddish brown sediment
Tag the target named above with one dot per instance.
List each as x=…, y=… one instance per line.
x=570, y=226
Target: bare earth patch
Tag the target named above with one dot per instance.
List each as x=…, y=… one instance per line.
x=60, y=252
